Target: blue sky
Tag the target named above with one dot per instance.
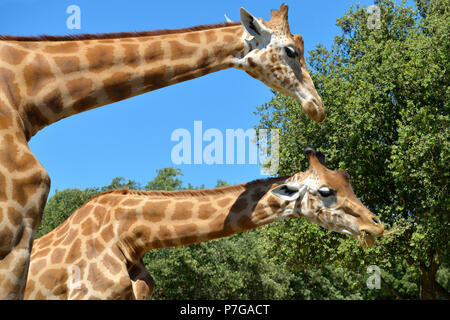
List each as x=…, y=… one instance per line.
x=131, y=138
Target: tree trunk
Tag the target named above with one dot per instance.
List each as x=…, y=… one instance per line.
x=428, y=282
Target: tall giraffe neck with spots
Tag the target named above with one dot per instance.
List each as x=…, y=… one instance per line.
x=64, y=78
x=43, y=80
x=105, y=239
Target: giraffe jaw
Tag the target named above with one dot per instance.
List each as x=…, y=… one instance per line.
x=365, y=239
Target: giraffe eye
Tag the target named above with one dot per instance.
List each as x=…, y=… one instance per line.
x=325, y=192
x=290, y=52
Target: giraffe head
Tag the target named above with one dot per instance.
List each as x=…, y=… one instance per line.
x=326, y=198
x=276, y=57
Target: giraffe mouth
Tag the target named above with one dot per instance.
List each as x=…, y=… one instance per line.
x=365, y=239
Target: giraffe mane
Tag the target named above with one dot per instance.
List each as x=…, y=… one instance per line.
x=189, y=193
x=117, y=35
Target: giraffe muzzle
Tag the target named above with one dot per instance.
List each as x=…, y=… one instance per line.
x=314, y=110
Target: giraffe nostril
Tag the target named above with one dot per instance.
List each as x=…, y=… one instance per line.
x=376, y=220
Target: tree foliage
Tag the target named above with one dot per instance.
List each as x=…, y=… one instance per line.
x=387, y=95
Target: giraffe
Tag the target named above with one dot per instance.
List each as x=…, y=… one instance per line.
x=104, y=239
x=45, y=79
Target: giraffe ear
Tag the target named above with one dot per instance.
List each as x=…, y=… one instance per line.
x=253, y=27
x=289, y=192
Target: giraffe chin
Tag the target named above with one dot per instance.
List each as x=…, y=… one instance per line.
x=365, y=239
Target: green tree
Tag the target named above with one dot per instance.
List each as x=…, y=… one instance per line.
x=122, y=183
x=236, y=267
x=387, y=96
x=166, y=179
x=221, y=183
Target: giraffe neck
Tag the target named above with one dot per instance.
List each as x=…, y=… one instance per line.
x=64, y=78
x=151, y=220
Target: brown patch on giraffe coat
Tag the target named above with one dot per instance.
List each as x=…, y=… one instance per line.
x=164, y=238
x=164, y=233
x=100, y=57
x=275, y=204
x=66, y=47
x=108, y=199
x=35, y=116
x=155, y=211
x=68, y=64
x=125, y=219
x=131, y=55
x=97, y=279
x=107, y=233
x=100, y=216
x=155, y=78
x=71, y=235
x=6, y=118
x=273, y=58
x=204, y=62
x=131, y=202
x=39, y=296
x=6, y=238
x=10, y=87
x=15, y=216
x=42, y=253
x=142, y=233
x=107, y=41
x=228, y=38
x=224, y=202
x=183, y=210
x=12, y=55
x=30, y=287
x=264, y=57
x=43, y=242
x=53, y=100
x=219, y=227
x=85, y=103
x=187, y=233
x=74, y=252
x=192, y=37
x=118, y=86
x=245, y=222
x=205, y=211
x=57, y=256
x=125, y=281
x=37, y=265
x=81, y=213
x=37, y=74
x=79, y=88
x=13, y=159
x=93, y=248
x=240, y=205
x=88, y=227
x=23, y=188
x=111, y=264
x=258, y=194
x=3, y=196
x=183, y=72
x=52, y=278
x=180, y=51
x=153, y=52
x=211, y=36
